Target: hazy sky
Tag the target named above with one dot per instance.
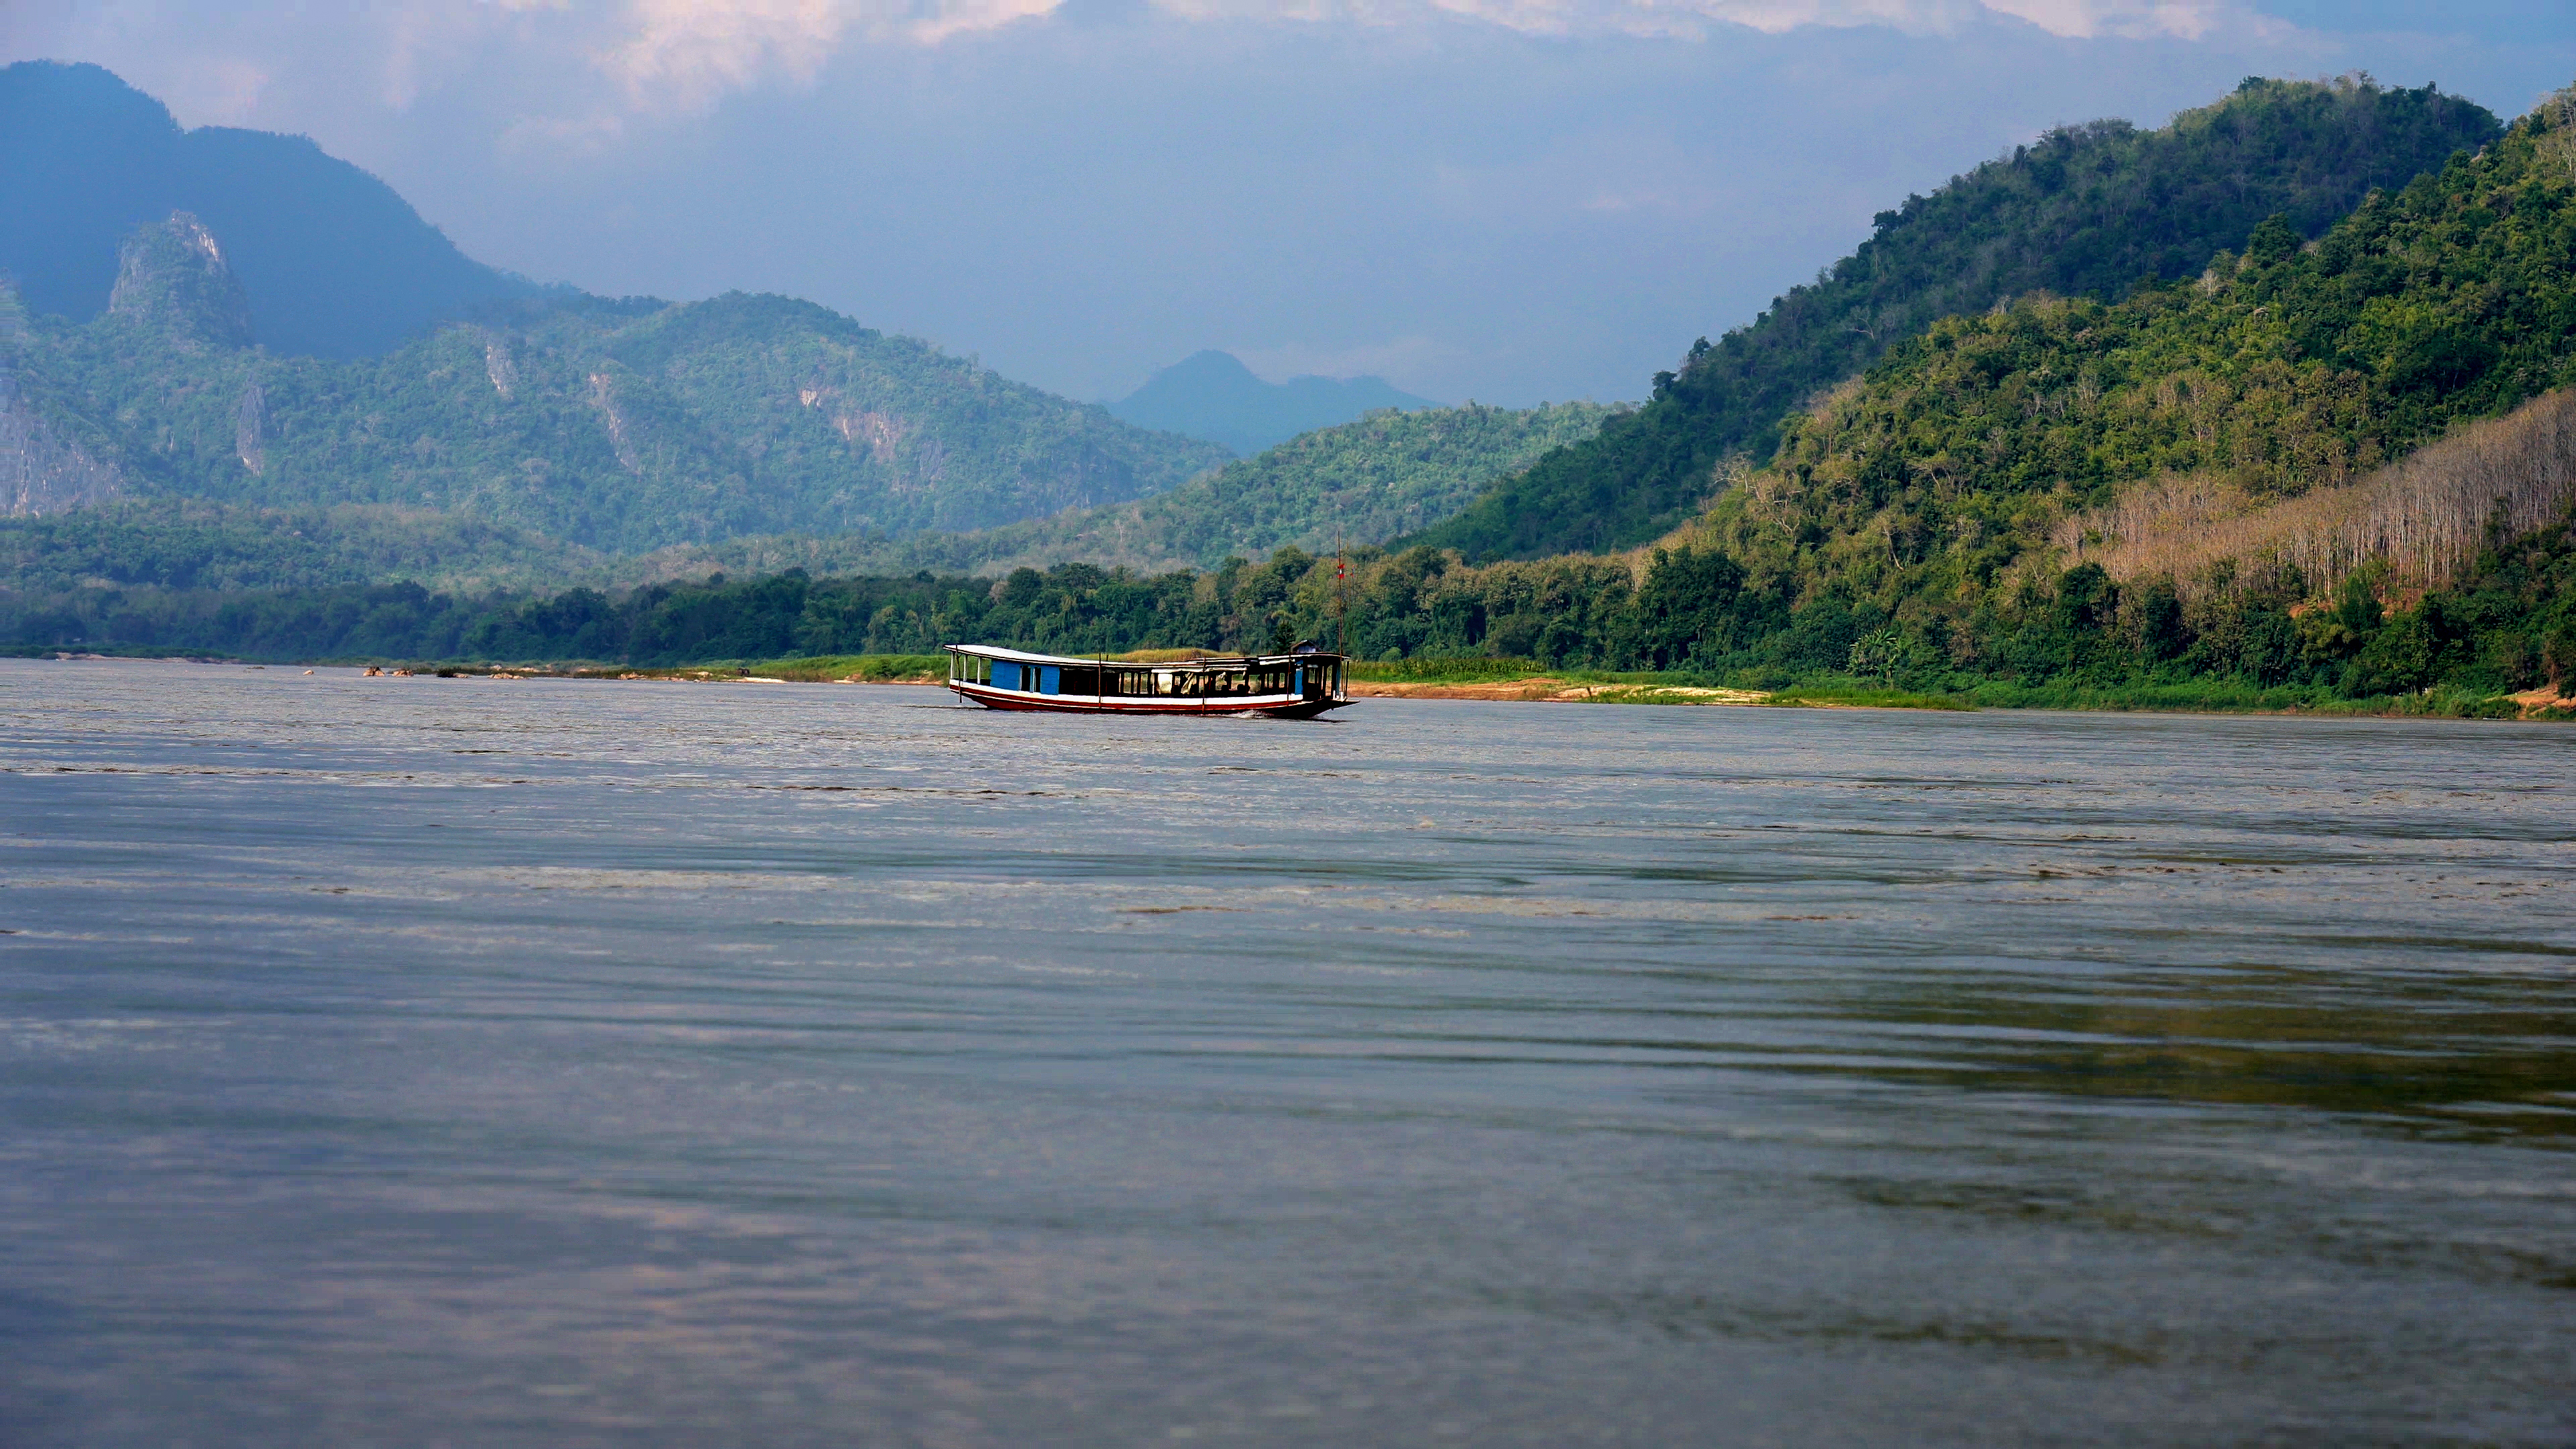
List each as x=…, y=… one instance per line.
x=1511, y=200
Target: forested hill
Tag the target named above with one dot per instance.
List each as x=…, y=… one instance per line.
x=1357, y=484
x=620, y=426
x=2088, y=211
x=1363, y=482
x=1933, y=489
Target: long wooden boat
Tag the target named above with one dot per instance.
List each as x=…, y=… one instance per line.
x=1299, y=685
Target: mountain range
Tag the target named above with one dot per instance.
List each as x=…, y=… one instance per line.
x=203, y=328
x=1359, y=483
x=332, y=263
x=1900, y=462
x=1214, y=396
x=622, y=426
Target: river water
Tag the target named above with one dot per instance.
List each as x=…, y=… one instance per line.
x=418, y=1061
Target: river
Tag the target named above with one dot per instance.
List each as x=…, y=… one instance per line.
x=418, y=1061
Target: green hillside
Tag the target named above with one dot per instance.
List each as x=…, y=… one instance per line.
x=178, y=543
x=1362, y=482
x=2088, y=211
x=1359, y=483
x=2286, y=369
x=614, y=426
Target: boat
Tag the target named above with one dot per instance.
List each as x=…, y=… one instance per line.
x=1300, y=684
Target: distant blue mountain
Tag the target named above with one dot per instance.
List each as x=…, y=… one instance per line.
x=1213, y=396
x=334, y=263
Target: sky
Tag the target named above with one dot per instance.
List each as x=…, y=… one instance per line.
x=1505, y=200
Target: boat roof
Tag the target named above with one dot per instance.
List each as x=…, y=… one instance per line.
x=1229, y=661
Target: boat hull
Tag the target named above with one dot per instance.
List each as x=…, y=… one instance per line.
x=1266, y=706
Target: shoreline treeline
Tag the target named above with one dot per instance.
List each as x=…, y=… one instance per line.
x=2509, y=623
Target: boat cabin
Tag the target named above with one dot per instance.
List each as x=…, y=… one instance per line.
x=1299, y=684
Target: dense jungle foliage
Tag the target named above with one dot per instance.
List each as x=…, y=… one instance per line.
x=2086, y=212
x=178, y=543
x=1927, y=490
x=584, y=441
x=2077, y=638
x=1075, y=607
x=1361, y=482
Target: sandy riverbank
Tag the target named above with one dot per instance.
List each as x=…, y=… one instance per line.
x=1544, y=690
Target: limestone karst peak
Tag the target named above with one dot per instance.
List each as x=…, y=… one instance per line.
x=172, y=274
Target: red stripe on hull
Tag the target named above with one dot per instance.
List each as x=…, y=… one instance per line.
x=1272, y=706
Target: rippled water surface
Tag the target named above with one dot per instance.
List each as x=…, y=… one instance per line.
x=416, y=1061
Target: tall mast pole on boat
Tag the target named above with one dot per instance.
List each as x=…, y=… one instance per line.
x=1341, y=602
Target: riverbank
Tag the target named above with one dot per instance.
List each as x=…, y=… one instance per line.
x=1548, y=689
x=1520, y=682
x=2194, y=697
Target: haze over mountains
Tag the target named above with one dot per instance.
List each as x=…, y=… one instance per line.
x=1213, y=395
x=332, y=261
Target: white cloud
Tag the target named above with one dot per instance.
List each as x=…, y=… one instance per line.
x=957, y=17
x=686, y=53
x=2181, y=19
x=689, y=51
x=682, y=56
x=563, y=135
